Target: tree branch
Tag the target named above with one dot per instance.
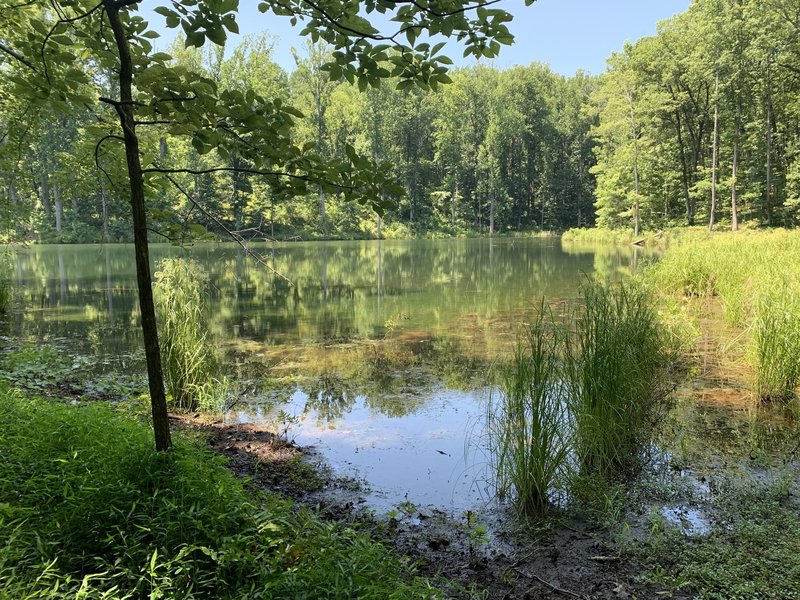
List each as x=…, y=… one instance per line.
x=232, y=234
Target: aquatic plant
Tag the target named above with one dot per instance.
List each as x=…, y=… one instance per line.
x=187, y=355
x=527, y=428
x=775, y=348
x=618, y=374
x=753, y=276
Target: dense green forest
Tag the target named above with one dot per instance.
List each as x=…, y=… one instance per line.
x=696, y=125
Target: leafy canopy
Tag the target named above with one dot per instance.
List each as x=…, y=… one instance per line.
x=59, y=54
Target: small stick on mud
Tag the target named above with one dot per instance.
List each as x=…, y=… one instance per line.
x=553, y=588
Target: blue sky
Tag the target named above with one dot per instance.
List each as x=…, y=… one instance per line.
x=566, y=34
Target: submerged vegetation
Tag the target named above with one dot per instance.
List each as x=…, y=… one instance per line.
x=89, y=508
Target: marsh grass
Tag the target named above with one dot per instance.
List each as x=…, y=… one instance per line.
x=775, y=346
x=89, y=509
x=190, y=364
x=755, y=276
x=618, y=372
x=582, y=399
x=527, y=428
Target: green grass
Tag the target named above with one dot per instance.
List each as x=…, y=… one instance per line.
x=755, y=276
x=617, y=371
x=583, y=398
x=187, y=355
x=754, y=554
x=527, y=428
x=89, y=510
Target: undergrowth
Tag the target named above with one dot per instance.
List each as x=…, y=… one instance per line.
x=753, y=554
x=89, y=510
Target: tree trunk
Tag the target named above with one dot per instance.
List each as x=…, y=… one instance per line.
x=684, y=173
x=59, y=208
x=491, y=213
x=635, y=135
x=768, y=191
x=46, y=194
x=714, y=156
x=124, y=108
x=734, y=176
x=104, y=207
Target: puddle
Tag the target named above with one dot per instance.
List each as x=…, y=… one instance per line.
x=421, y=458
x=692, y=522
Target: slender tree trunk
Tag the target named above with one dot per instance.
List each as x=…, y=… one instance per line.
x=59, y=208
x=104, y=207
x=635, y=135
x=322, y=214
x=491, y=213
x=684, y=172
x=46, y=194
x=714, y=156
x=768, y=191
x=125, y=111
x=734, y=177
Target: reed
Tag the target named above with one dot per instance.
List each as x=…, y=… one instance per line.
x=527, y=428
x=617, y=370
x=187, y=355
x=754, y=276
x=775, y=347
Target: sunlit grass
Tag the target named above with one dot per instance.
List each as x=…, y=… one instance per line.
x=755, y=276
x=89, y=509
x=618, y=375
x=527, y=427
x=188, y=357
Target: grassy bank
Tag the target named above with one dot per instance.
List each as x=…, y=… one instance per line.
x=89, y=509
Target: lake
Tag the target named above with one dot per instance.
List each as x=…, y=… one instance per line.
x=375, y=353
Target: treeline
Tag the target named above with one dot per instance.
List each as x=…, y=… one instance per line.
x=494, y=151
x=699, y=123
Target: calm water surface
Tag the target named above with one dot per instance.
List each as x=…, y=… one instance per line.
x=407, y=442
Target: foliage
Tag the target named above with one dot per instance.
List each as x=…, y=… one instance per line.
x=89, y=508
x=528, y=427
x=188, y=356
x=618, y=376
x=705, y=108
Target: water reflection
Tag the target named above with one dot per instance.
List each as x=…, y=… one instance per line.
x=339, y=291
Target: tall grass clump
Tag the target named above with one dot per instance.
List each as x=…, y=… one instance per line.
x=527, y=428
x=617, y=370
x=187, y=355
x=89, y=509
x=775, y=346
x=754, y=276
